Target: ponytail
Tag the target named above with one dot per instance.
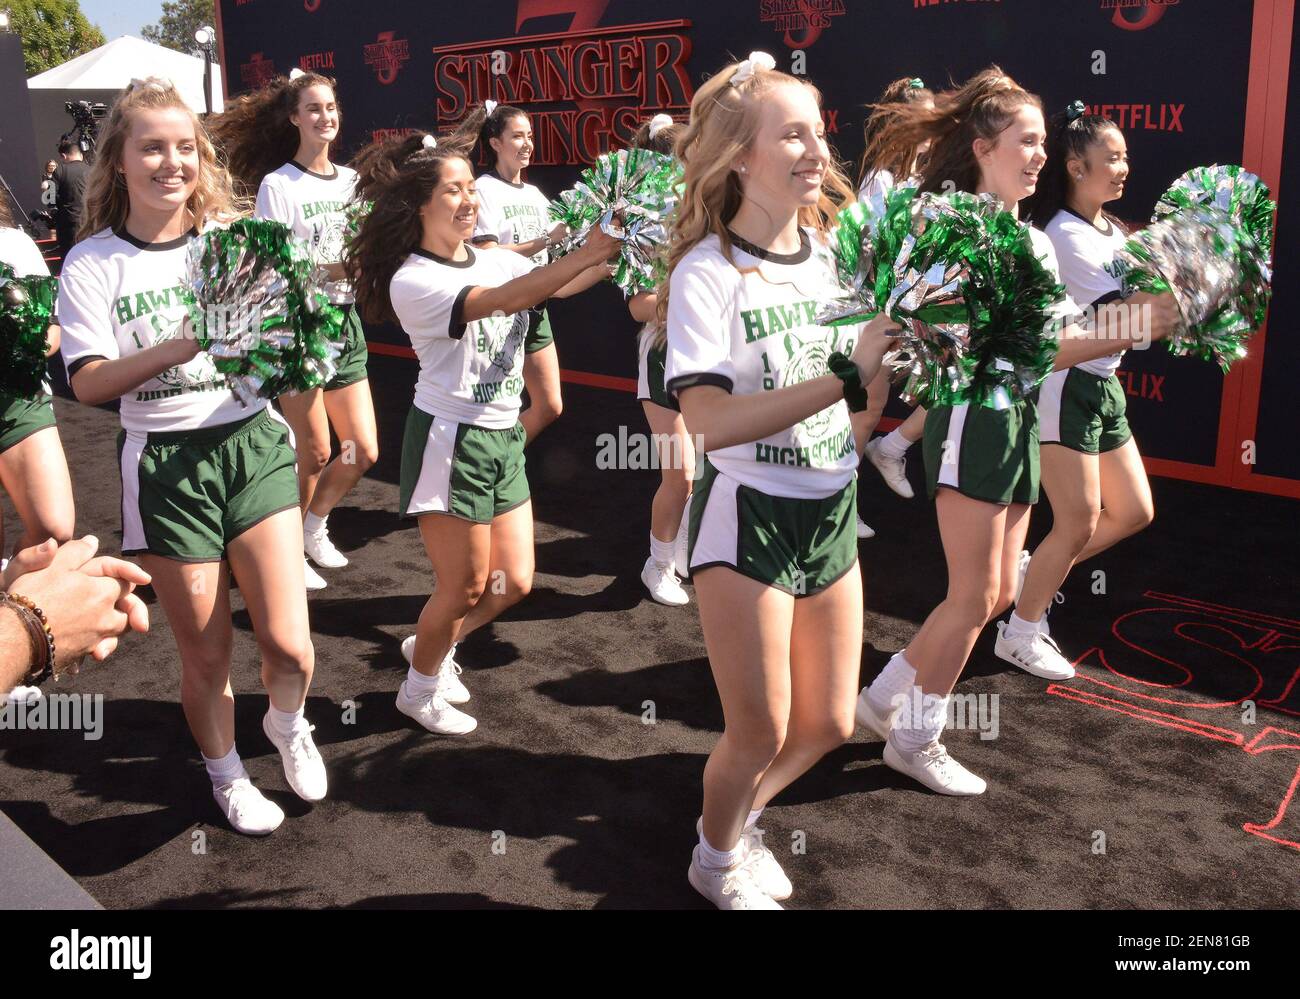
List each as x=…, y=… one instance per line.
x=480, y=126
x=397, y=176
x=905, y=90
x=1070, y=134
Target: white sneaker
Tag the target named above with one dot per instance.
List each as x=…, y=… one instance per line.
x=449, y=685
x=303, y=767
x=1035, y=653
x=868, y=717
x=245, y=808
x=892, y=470
x=663, y=584
x=864, y=531
x=933, y=767
x=315, y=581
x=434, y=713
x=732, y=887
x=320, y=549
x=766, y=871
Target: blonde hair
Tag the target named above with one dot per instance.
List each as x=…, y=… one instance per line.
x=724, y=121
x=107, y=200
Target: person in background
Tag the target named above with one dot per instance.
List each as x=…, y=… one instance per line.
x=69, y=194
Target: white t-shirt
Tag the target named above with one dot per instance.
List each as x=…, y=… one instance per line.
x=880, y=183
x=312, y=206
x=19, y=251
x=511, y=213
x=470, y=373
x=749, y=328
x=1089, y=270
x=117, y=297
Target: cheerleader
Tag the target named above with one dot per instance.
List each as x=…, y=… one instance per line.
x=1092, y=470
x=668, y=522
x=982, y=464
x=773, y=551
x=278, y=143
x=33, y=469
x=208, y=486
x=878, y=176
x=512, y=215
x=466, y=311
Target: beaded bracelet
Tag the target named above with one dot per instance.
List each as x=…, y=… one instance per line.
x=38, y=628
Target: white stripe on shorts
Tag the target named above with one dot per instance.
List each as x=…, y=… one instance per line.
x=432, y=492
x=132, y=523
x=950, y=456
x=719, y=526
x=1049, y=407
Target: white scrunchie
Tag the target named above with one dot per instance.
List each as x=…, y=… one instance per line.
x=490, y=107
x=756, y=60
x=429, y=142
x=658, y=123
x=296, y=72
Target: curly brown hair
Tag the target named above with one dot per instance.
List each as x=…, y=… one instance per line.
x=904, y=90
x=255, y=133
x=397, y=176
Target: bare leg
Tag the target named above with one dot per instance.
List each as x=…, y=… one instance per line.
x=34, y=472
x=542, y=379
x=1072, y=481
x=510, y=568
x=305, y=414
x=352, y=413
x=459, y=552
x=676, y=467
x=1126, y=505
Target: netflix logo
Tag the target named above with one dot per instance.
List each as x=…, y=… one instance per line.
x=386, y=56
x=257, y=71
x=1152, y=117
x=1142, y=384
x=316, y=61
x=384, y=134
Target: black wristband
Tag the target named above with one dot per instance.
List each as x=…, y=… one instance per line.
x=855, y=393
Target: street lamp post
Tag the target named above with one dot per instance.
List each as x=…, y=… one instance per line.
x=205, y=37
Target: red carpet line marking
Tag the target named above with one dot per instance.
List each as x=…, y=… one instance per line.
x=1145, y=714
x=1206, y=605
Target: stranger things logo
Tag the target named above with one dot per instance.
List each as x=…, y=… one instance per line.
x=257, y=71
x=386, y=56
x=586, y=91
x=802, y=21
x=1137, y=15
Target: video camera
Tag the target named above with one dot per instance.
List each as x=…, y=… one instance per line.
x=86, y=128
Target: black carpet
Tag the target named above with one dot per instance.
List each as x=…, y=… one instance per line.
x=1130, y=786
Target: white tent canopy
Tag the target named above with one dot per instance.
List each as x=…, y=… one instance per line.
x=114, y=65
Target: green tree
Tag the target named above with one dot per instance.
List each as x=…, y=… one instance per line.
x=53, y=31
x=180, y=19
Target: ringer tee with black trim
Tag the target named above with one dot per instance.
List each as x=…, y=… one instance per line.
x=469, y=372
x=119, y=296
x=511, y=213
x=1089, y=270
x=749, y=328
x=312, y=206
x=19, y=251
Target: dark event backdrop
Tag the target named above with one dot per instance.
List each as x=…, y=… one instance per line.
x=1190, y=81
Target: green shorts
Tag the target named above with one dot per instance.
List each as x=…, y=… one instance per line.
x=539, y=335
x=469, y=472
x=21, y=416
x=187, y=494
x=351, y=363
x=798, y=546
x=986, y=454
x=1083, y=411
x=650, y=376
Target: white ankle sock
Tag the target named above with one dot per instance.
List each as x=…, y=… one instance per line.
x=719, y=859
x=895, y=680
x=894, y=444
x=226, y=769
x=419, y=685
x=1018, y=627
x=311, y=523
x=753, y=818
x=284, y=722
x=661, y=551
x=912, y=733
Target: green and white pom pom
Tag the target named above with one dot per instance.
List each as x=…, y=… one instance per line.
x=1232, y=189
x=630, y=194
x=26, y=310
x=959, y=275
x=257, y=311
